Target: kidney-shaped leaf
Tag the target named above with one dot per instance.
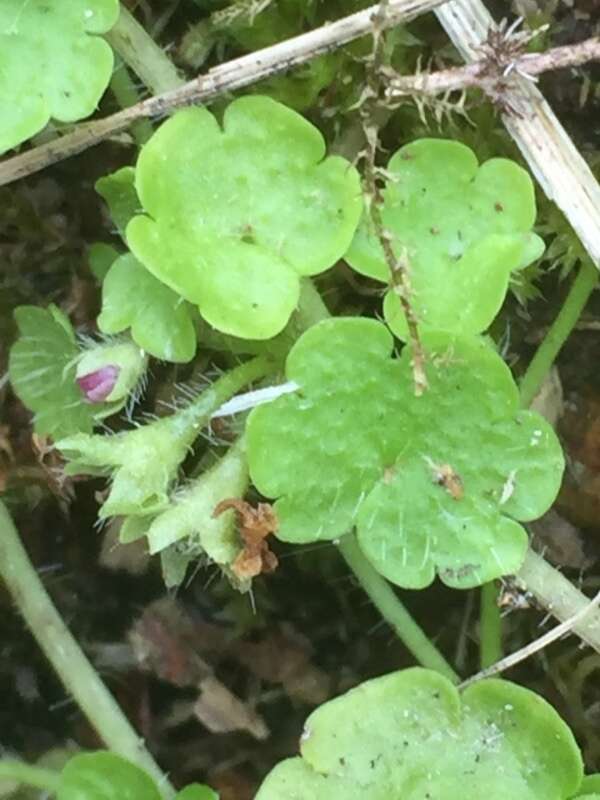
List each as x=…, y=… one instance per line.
x=432, y=483
x=411, y=736
x=463, y=227
x=236, y=214
x=105, y=776
x=52, y=64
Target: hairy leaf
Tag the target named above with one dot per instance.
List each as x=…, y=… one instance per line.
x=42, y=370
x=460, y=228
x=189, y=517
x=53, y=63
x=432, y=483
x=236, y=215
x=411, y=735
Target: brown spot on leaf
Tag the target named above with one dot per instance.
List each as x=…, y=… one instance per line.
x=445, y=475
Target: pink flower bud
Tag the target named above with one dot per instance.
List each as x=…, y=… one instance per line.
x=97, y=385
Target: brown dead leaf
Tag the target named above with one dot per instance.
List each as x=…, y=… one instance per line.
x=255, y=525
x=222, y=712
x=559, y=541
x=132, y=557
x=7, y=456
x=163, y=642
x=231, y=784
x=284, y=656
x=52, y=465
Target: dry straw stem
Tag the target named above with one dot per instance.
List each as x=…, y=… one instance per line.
x=227, y=77
x=477, y=74
x=399, y=267
x=573, y=623
x=558, y=595
x=561, y=171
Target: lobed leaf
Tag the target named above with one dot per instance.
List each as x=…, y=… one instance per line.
x=464, y=228
x=432, y=483
x=160, y=321
x=412, y=735
x=42, y=370
x=235, y=215
x=53, y=64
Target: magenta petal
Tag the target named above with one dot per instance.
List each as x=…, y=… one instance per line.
x=97, y=385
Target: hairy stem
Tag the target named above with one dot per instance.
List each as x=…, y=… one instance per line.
x=79, y=677
x=540, y=365
x=481, y=73
x=392, y=610
x=490, y=626
x=398, y=266
x=558, y=595
x=45, y=779
x=139, y=50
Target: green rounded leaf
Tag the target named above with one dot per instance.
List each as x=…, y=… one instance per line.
x=42, y=370
x=236, y=215
x=432, y=483
x=160, y=321
x=105, y=776
x=411, y=735
x=52, y=63
x=461, y=226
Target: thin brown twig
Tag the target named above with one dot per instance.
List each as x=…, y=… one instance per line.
x=398, y=266
x=224, y=78
x=478, y=73
x=534, y=647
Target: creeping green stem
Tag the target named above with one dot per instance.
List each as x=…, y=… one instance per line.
x=490, y=626
x=45, y=779
x=393, y=611
x=540, y=365
x=77, y=674
x=144, y=56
